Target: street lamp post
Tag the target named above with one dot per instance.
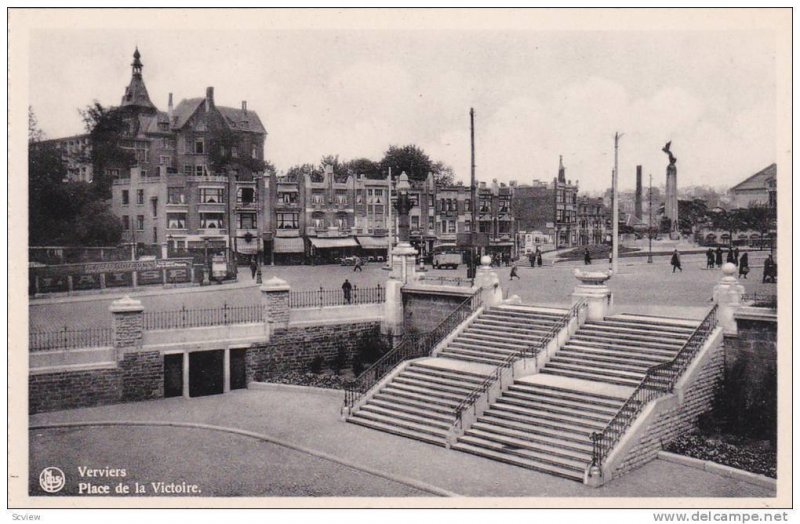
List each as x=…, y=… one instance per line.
x=207, y=268
x=650, y=222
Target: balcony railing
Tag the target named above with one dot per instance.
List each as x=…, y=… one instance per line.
x=66, y=338
x=322, y=297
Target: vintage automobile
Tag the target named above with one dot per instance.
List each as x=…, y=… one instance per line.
x=449, y=259
x=349, y=261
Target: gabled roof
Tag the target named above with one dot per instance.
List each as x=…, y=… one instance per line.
x=149, y=123
x=236, y=119
x=184, y=111
x=759, y=180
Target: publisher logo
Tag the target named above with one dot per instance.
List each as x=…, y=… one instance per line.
x=52, y=479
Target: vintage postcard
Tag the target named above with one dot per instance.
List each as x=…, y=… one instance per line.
x=400, y=258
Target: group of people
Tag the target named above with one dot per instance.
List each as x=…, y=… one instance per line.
x=535, y=258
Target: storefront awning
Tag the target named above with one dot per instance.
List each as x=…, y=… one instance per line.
x=328, y=243
x=373, y=242
x=246, y=248
x=289, y=245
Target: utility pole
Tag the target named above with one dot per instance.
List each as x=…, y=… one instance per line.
x=650, y=222
x=615, y=207
x=473, y=196
x=389, y=224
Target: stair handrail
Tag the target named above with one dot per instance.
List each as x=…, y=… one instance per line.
x=531, y=351
x=410, y=346
x=659, y=380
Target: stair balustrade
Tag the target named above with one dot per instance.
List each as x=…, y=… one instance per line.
x=530, y=351
x=659, y=380
x=410, y=347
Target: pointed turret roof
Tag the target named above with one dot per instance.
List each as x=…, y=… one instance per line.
x=136, y=93
x=561, y=174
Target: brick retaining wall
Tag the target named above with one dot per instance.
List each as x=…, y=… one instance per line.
x=423, y=311
x=678, y=419
x=294, y=348
x=73, y=389
x=142, y=376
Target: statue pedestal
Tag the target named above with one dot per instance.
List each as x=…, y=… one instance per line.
x=404, y=270
x=728, y=297
x=489, y=283
x=593, y=289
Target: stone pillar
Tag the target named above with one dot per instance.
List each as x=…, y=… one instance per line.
x=226, y=371
x=489, y=283
x=165, y=250
x=275, y=299
x=186, y=374
x=128, y=324
x=728, y=297
x=593, y=289
x=404, y=270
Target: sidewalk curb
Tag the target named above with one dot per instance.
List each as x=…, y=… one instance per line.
x=422, y=486
x=720, y=469
x=294, y=388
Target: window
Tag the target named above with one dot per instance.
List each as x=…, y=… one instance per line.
x=467, y=226
x=187, y=170
x=235, y=152
x=359, y=196
x=247, y=221
x=341, y=222
x=288, y=221
x=503, y=205
x=414, y=222
x=254, y=151
x=317, y=198
x=176, y=195
x=199, y=146
x=140, y=196
x=212, y=195
x=176, y=220
x=139, y=222
x=451, y=226
x=485, y=206
x=289, y=197
x=155, y=235
x=245, y=195
x=154, y=202
x=143, y=173
x=319, y=223
x=126, y=223
x=200, y=170
x=165, y=160
x=468, y=205
x=341, y=197
x=484, y=226
x=212, y=220
x=126, y=197
x=113, y=173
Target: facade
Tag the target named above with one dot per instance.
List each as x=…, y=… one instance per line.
x=76, y=155
x=198, y=180
x=593, y=221
x=566, y=216
x=758, y=189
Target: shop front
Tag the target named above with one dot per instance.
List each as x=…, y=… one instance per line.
x=325, y=250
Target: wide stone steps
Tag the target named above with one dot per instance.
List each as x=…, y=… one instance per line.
x=685, y=325
x=405, y=430
x=596, y=363
x=634, y=329
x=483, y=349
x=573, y=410
x=523, y=334
x=471, y=357
x=522, y=449
x=613, y=355
x=572, y=395
x=435, y=386
x=584, y=342
x=533, y=417
x=497, y=339
x=642, y=342
x=631, y=381
x=503, y=455
x=554, y=438
x=547, y=452
x=394, y=414
x=498, y=344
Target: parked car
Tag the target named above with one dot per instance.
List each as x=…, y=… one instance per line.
x=348, y=261
x=448, y=260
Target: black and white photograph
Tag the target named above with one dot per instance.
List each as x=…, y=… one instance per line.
x=400, y=258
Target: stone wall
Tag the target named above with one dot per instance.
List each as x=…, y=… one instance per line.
x=755, y=345
x=424, y=309
x=676, y=418
x=73, y=389
x=294, y=349
x=142, y=376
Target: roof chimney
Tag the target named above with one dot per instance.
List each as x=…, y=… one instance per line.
x=244, y=106
x=209, y=98
x=169, y=109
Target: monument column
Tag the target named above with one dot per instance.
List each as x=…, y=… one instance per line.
x=671, y=197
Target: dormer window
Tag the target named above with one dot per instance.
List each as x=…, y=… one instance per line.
x=199, y=146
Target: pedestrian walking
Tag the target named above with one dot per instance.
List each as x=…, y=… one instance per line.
x=770, y=270
x=710, y=259
x=359, y=265
x=514, y=272
x=718, y=258
x=347, y=289
x=587, y=258
x=676, y=261
x=253, y=267
x=538, y=257
x=532, y=259
x=730, y=257
x=736, y=255
x=744, y=266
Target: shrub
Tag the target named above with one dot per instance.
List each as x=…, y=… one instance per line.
x=340, y=361
x=316, y=365
x=358, y=366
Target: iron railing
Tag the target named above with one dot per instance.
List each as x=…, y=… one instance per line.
x=446, y=281
x=336, y=297
x=203, y=317
x=411, y=346
x=69, y=339
x=760, y=300
x=659, y=380
x=531, y=351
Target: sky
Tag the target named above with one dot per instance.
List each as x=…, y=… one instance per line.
x=536, y=94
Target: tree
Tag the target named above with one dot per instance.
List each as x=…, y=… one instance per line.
x=443, y=174
x=297, y=171
x=411, y=159
x=362, y=166
x=107, y=128
x=691, y=213
x=222, y=142
x=34, y=133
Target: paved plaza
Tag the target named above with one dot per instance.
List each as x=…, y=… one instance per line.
x=640, y=287
x=378, y=464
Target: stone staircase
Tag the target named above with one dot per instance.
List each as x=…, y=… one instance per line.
x=620, y=349
x=420, y=401
x=500, y=332
x=545, y=421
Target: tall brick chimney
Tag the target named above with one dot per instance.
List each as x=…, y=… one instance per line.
x=209, y=98
x=638, y=203
x=169, y=109
x=244, y=106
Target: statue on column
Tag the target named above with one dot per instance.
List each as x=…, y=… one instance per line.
x=671, y=197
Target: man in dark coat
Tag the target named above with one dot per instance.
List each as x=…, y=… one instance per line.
x=744, y=266
x=676, y=261
x=710, y=259
x=538, y=257
x=347, y=288
x=587, y=258
x=731, y=258
x=770, y=270
x=719, y=256
x=253, y=267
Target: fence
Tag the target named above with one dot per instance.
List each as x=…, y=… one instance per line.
x=760, y=300
x=531, y=351
x=66, y=338
x=659, y=380
x=191, y=318
x=446, y=281
x=336, y=297
x=411, y=346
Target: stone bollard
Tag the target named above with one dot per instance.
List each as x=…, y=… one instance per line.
x=728, y=297
x=128, y=324
x=595, y=292
x=275, y=300
x=487, y=280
